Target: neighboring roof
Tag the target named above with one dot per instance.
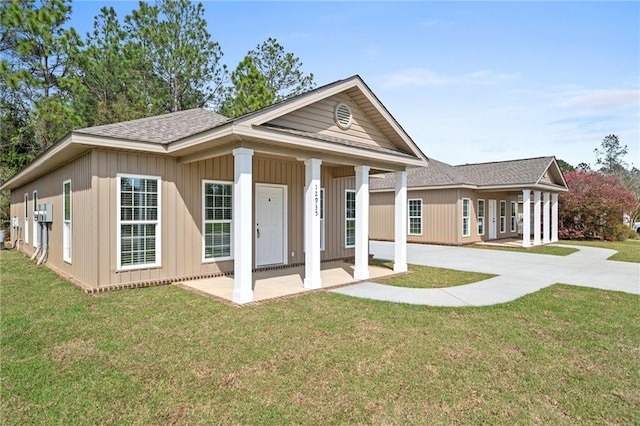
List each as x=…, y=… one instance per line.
x=161, y=129
x=529, y=172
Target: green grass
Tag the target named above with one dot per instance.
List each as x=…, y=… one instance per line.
x=165, y=355
x=627, y=251
x=429, y=277
x=550, y=250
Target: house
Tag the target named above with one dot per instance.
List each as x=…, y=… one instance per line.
x=471, y=203
x=195, y=194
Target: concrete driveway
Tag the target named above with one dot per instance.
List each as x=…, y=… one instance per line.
x=518, y=274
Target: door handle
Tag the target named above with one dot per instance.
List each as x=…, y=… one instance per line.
x=258, y=231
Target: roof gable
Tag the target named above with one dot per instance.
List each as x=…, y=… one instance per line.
x=374, y=125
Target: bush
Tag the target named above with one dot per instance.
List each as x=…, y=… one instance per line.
x=594, y=207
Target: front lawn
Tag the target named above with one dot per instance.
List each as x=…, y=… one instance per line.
x=628, y=251
x=546, y=249
x=165, y=355
x=429, y=277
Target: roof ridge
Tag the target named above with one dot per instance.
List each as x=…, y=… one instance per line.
x=506, y=161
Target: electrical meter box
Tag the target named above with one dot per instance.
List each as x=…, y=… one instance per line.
x=44, y=213
x=15, y=223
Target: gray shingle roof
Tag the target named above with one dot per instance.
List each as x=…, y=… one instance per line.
x=514, y=172
x=161, y=129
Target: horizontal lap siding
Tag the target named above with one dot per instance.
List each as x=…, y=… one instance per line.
x=49, y=189
x=318, y=118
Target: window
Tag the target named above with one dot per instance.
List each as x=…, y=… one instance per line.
x=466, y=217
x=26, y=218
x=514, y=212
x=415, y=216
x=480, y=217
x=503, y=216
x=321, y=219
x=138, y=221
x=66, y=221
x=217, y=220
x=36, y=234
x=350, y=218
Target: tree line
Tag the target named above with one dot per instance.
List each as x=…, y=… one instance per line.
x=159, y=58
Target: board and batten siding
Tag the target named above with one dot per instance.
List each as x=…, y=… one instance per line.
x=181, y=215
x=49, y=187
x=441, y=216
x=318, y=118
x=438, y=216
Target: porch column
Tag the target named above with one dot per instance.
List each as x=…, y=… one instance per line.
x=546, y=222
x=362, y=223
x=400, y=236
x=526, y=218
x=554, y=218
x=312, y=278
x=536, y=218
x=242, y=226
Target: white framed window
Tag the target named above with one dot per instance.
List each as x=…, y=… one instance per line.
x=36, y=234
x=66, y=221
x=466, y=217
x=415, y=216
x=480, y=217
x=321, y=219
x=349, y=218
x=139, y=232
x=217, y=220
x=514, y=214
x=26, y=218
x=503, y=216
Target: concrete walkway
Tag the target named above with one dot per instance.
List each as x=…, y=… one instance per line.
x=518, y=274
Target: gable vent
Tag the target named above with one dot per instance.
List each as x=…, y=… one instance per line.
x=342, y=116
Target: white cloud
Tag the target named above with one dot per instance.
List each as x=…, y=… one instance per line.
x=598, y=99
x=423, y=77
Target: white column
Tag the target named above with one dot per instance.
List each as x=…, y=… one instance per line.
x=546, y=222
x=362, y=223
x=536, y=218
x=400, y=237
x=242, y=226
x=554, y=218
x=312, y=279
x=526, y=218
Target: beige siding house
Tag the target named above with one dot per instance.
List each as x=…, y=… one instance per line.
x=471, y=203
x=195, y=194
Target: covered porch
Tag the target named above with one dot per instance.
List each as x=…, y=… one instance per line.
x=283, y=282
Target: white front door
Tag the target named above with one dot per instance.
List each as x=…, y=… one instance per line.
x=492, y=220
x=270, y=224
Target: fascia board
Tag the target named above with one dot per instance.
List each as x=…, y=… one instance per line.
x=310, y=144
x=190, y=141
x=128, y=145
x=37, y=163
x=301, y=102
x=426, y=188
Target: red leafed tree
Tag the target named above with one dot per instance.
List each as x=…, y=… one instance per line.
x=594, y=207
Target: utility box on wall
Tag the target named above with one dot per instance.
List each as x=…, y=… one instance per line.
x=44, y=213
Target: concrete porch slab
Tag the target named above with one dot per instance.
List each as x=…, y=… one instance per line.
x=277, y=283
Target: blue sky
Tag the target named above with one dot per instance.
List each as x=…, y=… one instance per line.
x=469, y=81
